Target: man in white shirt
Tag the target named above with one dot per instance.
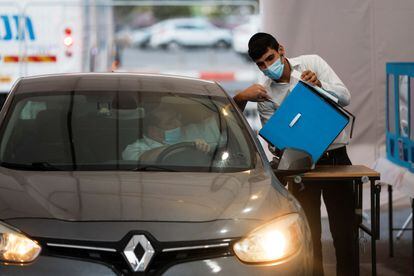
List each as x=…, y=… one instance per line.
x=162, y=129
x=280, y=77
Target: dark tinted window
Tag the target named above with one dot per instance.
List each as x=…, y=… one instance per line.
x=124, y=131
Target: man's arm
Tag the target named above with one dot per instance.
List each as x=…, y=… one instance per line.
x=253, y=93
x=331, y=82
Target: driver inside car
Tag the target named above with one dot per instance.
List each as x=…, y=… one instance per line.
x=163, y=128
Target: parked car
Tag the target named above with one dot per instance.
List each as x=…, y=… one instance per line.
x=138, y=38
x=173, y=33
x=72, y=205
x=243, y=33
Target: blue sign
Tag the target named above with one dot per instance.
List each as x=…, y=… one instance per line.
x=15, y=29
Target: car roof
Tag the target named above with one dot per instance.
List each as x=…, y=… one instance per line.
x=117, y=82
x=186, y=20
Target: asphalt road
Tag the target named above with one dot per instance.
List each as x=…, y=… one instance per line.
x=186, y=59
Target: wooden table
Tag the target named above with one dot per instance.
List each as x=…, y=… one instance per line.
x=359, y=174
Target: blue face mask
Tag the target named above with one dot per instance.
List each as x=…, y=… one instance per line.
x=172, y=136
x=275, y=70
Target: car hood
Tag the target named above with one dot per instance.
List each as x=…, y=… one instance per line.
x=140, y=196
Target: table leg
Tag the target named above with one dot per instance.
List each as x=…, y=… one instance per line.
x=358, y=221
x=373, y=230
x=378, y=210
x=412, y=231
x=390, y=223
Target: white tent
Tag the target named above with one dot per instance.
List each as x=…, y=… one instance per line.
x=356, y=38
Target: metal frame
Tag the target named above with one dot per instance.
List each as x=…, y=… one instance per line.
x=374, y=231
x=391, y=227
x=400, y=149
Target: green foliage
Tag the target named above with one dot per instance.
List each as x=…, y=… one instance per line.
x=164, y=12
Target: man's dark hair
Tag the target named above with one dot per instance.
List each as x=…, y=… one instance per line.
x=259, y=43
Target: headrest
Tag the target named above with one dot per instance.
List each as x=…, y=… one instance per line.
x=124, y=101
x=128, y=114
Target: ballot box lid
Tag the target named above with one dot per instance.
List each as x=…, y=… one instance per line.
x=305, y=121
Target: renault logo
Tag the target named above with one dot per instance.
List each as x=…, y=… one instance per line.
x=138, y=252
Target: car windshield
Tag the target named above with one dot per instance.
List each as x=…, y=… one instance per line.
x=124, y=130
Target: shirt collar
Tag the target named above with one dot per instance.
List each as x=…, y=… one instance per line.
x=294, y=62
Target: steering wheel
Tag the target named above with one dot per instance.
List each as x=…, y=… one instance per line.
x=184, y=152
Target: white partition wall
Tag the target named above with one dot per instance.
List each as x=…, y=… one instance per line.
x=357, y=38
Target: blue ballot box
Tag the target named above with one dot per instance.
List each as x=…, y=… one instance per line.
x=305, y=121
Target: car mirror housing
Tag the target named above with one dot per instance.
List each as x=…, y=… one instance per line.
x=293, y=161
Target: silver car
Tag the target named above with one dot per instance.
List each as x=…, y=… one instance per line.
x=189, y=32
x=85, y=190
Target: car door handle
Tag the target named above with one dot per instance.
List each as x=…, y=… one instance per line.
x=294, y=121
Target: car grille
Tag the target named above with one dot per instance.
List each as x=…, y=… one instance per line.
x=111, y=254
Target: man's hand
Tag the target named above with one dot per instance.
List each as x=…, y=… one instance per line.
x=254, y=93
x=310, y=77
x=201, y=145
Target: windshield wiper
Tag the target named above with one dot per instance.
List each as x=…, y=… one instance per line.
x=35, y=166
x=146, y=168
x=45, y=166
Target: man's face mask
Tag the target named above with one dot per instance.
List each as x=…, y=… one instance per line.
x=172, y=136
x=275, y=70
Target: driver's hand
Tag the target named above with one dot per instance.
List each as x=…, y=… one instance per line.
x=202, y=145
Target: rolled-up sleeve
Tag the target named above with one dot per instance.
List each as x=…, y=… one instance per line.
x=134, y=151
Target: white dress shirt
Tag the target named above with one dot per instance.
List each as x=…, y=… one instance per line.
x=329, y=80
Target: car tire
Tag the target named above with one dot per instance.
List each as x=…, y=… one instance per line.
x=172, y=46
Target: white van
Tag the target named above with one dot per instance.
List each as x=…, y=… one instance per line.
x=52, y=36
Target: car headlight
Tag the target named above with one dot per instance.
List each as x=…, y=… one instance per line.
x=274, y=242
x=15, y=247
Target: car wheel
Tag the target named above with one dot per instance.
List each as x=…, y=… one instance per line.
x=173, y=45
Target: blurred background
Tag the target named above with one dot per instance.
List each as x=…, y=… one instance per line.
x=202, y=39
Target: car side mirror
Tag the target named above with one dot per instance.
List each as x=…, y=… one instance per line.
x=293, y=161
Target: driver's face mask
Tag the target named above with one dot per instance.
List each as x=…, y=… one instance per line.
x=172, y=136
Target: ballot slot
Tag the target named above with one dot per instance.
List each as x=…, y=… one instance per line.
x=295, y=120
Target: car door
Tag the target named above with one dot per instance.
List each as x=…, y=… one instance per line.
x=187, y=34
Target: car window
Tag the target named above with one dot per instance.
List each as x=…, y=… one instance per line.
x=124, y=130
x=31, y=109
x=190, y=27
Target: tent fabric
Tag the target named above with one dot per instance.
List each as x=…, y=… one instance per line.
x=356, y=38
